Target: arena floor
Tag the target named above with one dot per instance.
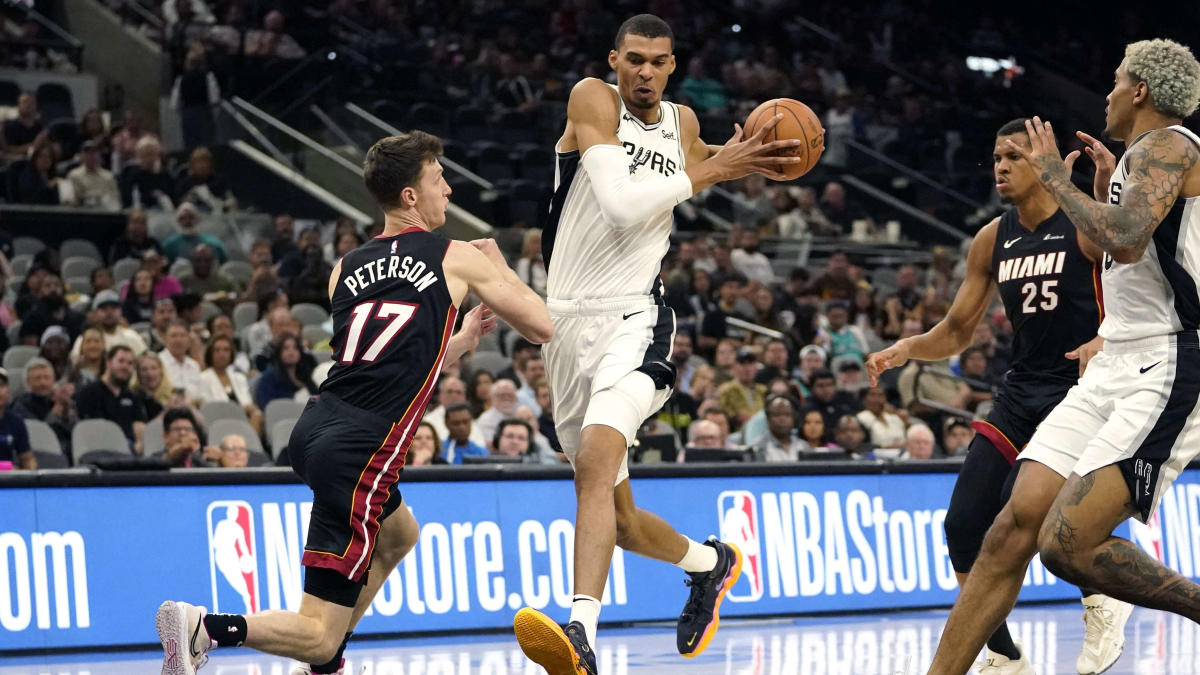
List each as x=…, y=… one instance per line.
x=867, y=644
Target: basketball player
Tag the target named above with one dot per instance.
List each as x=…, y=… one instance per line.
x=1122, y=435
x=625, y=160
x=394, y=300
x=1048, y=278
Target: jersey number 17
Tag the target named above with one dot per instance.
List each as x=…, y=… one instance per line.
x=397, y=315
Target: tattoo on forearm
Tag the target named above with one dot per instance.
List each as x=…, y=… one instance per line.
x=1131, y=574
x=1159, y=171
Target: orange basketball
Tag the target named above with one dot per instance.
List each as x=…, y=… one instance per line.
x=799, y=121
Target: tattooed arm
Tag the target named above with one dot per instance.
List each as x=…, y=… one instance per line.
x=1158, y=166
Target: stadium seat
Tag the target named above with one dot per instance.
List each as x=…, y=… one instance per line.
x=80, y=248
x=281, y=409
x=219, y=429
x=471, y=123
x=79, y=285
x=9, y=93
x=309, y=314
x=281, y=431
x=79, y=266
x=42, y=438
x=208, y=310
x=533, y=162
x=65, y=132
x=222, y=410
x=99, y=434
x=429, y=118
x=17, y=356
x=16, y=381
x=390, y=112
x=54, y=101
x=244, y=314
x=181, y=267
x=239, y=270
x=315, y=334
x=20, y=265
x=14, y=334
x=516, y=127
x=152, y=437
x=49, y=460
x=493, y=362
x=492, y=161
x=322, y=355
x=124, y=269
x=26, y=245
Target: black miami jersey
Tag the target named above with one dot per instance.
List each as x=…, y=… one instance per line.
x=392, y=318
x=1051, y=294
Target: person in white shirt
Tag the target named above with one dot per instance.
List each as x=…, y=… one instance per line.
x=503, y=396
x=106, y=307
x=181, y=368
x=93, y=185
x=884, y=428
x=220, y=381
x=751, y=262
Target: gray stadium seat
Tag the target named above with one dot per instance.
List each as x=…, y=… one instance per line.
x=219, y=429
x=14, y=332
x=17, y=356
x=42, y=438
x=79, y=285
x=208, y=310
x=309, y=314
x=322, y=355
x=244, y=314
x=314, y=334
x=180, y=267
x=152, y=438
x=493, y=362
x=27, y=246
x=79, y=266
x=98, y=434
x=16, y=381
x=124, y=269
x=238, y=269
x=222, y=410
x=281, y=431
x=281, y=409
x=49, y=460
x=20, y=265
x=80, y=248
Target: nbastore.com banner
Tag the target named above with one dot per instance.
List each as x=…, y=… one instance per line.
x=89, y=566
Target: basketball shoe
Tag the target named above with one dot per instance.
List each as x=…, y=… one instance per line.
x=184, y=639
x=1104, y=637
x=999, y=664
x=546, y=644
x=305, y=669
x=699, y=620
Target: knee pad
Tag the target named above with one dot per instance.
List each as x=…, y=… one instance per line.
x=623, y=406
x=331, y=586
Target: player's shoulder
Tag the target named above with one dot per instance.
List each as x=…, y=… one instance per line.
x=592, y=90
x=687, y=117
x=1164, y=148
x=986, y=236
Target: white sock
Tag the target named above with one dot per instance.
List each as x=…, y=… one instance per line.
x=699, y=558
x=586, y=610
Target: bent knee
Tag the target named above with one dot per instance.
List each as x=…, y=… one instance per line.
x=1010, y=535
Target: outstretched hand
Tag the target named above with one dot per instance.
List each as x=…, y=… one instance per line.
x=741, y=156
x=892, y=357
x=1105, y=161
x=476, y=323
x=1043, y=153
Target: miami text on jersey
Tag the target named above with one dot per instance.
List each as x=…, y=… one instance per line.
x=1031, y=266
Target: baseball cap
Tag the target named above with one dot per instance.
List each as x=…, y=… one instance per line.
x=54, y=331
x=184, y=207
x=956, y=421
x=4, y=375
x=814, y=349
x=746, y=355
x=106, y=297
x=90, y=144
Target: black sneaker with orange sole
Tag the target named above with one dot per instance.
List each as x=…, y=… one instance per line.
x=700, y=617
x=546, y=644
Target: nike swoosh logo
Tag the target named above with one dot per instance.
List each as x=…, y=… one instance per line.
x=1142, y=370
x=626, y=316
x=1010, y=242
x=689, y=642
x=1054, y=236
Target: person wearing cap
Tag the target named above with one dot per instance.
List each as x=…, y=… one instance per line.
x=957, y=436
x=15, y=452
x=44, y=400
x=93, y=185
x=56, y=349
x=106, y=314
x=812, y=359
x=741, y=397
x=180, y=244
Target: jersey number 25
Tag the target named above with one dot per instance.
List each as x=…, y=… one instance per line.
x=1049, y=296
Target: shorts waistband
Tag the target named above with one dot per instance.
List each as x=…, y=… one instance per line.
x=1171, y=340
x=594, y=306
x=364, y=417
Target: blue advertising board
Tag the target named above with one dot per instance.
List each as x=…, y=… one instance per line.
x=88, y=566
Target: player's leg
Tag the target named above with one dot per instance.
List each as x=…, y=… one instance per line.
x=1077, y=545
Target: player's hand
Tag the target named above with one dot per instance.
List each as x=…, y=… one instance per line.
x=1043, y=154
x=476, y=323
x=1105, y=161
x=892, y=357
x=1084, y=352
x=741, y=156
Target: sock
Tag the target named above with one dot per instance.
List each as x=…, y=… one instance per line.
x=227, y=630
x=586, y=610
x=699, y=558
x=1001, y=643
x=335, y=663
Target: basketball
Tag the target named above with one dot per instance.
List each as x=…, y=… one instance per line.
x=799, y=121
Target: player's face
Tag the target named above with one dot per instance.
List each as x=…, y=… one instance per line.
x=642, y=65
x=1014, y=177
x=433, y=195
x=1118, y=113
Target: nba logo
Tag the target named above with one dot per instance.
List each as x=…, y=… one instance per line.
x=232, y=557
x=1148, y=535
x=738, y=514
x=394, y=243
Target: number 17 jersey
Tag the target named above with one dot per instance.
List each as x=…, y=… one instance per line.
x=392, y=318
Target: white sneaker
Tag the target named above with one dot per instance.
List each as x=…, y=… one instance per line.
x=1104, y=637
x=184, y=639
x=305, y=669
x=999, y=664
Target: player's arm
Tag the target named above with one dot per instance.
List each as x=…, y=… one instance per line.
x=481, y=267
x=952, y=334
x=1158, y=166
x=476, y=323
x=333, y=278
x=695, y=150
x=592, y=115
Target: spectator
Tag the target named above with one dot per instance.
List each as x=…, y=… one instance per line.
x=260, y=333
x=806, y=218
x=109, y=398
x=343, y=244
x=138, y=304
x=850, y=376
x=459, y=422
x=205, y=280
x=779, y=444
x=135, y=241
x=751, y=209
x=715, y=326
x=181, y=368
x=939, y=385
x=147, y=184
x=193, y=11
x=288, y=376
x=514, y=439
x=89, y=361
x=271, y=41
x=451, y=390
x=56, y=349
x=900, y=304
x=827, y=400
x=706, y=95
x=202, y=186
x=705, y=434
x=194, y=94
x=49, y=308
x=479, y=392
x=15, y=452
x=512, y=91
x=160, y=319
x=974, y=364
x=813, y=432
x=851, y=437
x=106, y=307
x=838, y=209
x=93, y=129
x=750, y=261
x=775, y=361
x=26, y=129
x=280, y=322
x=530, y=268
x=766, y=314
x=682, y=359
x=704, y=384
x=311, y=282
x=44, y=400
x=181, y=440
x=503, y=397
x=545, y=422
x=284, y=241
x=725, y=359
x=232, y=453
x=741, y=397
x=425, y=448
x=522, y=349
x=533, y=370
x=125, y=142
x=541, y=451
x=221, y=326
x=220, y=382
x=842, y=123
x=37, y=182
x=180, y=244
x=918, y=443
x=957, y=437
x=93, y=186
x=835, y=281
x=812, y=359
x=101, y=279
x=153, y=386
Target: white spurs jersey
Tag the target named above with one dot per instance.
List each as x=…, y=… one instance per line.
x=1159, y=294
x=586, y=258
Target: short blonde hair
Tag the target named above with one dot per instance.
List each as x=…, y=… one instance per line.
x=1170, y=72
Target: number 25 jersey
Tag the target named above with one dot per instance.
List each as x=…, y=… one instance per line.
x=392, y=318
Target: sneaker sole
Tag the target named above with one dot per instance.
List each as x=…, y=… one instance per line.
x=1128, y=610
x=172, y=632
x=730, y=580
x=544, y=642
